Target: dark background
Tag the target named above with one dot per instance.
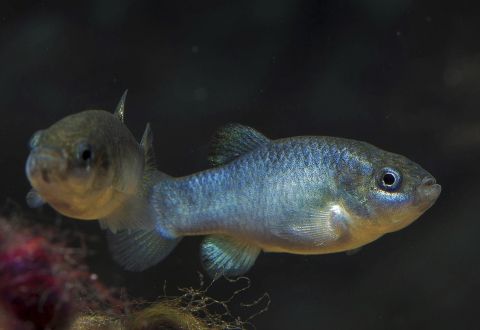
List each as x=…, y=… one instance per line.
x=402, y=75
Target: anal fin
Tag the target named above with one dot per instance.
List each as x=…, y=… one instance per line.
x=223, y=255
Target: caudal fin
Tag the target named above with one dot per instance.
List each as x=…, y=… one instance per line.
x=140, y=249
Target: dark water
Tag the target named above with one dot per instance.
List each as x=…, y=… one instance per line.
x=402, y=75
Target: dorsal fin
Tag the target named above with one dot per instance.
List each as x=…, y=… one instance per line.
x=120, y=111
x=233, y=140
x=147, y=146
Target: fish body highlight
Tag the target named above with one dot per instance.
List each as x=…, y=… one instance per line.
x=303, y=195
x=89, y=166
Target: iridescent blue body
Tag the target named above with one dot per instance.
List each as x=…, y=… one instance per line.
x=262, y=191
x=305, y=195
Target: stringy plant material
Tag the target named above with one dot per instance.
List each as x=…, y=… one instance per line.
x=192, y=310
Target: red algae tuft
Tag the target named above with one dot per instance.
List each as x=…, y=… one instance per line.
x=42, y=280
x=29, y=285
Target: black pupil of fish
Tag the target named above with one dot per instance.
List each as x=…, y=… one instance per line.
x=86, y=155
x=389, y=179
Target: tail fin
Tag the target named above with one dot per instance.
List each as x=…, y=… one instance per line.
x=141, y=249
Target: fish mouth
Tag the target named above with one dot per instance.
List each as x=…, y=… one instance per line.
x=46, y=165
x=429, y=181
x=428, y=191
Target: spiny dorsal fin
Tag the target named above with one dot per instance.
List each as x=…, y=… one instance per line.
x=147, y=146
x=120, y=111
x=233, y=140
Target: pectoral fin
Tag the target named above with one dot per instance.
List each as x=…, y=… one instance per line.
x=33, y=199
x=354, y=251
x=222, y=255
x=310, y=225
x=131, y=212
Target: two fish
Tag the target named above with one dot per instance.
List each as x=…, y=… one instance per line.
x=303, y=195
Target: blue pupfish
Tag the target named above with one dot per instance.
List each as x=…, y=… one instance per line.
x=302, y=195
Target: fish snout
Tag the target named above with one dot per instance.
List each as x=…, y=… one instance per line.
x=428, y=191
x=46, y=165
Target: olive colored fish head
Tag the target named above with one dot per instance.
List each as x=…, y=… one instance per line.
x=399, y=192
x=70, y=165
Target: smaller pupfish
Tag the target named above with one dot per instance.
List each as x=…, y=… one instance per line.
x=89, y=166
x=303, y=195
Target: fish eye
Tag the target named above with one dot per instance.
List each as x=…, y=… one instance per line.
x=85, y=152
x=389, y=179
x=34, y=140
x=86, y=155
